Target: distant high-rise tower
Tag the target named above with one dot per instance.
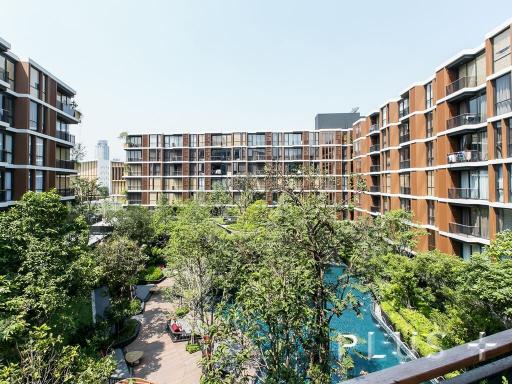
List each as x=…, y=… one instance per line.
x=103, y=158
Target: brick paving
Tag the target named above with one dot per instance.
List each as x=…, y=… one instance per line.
x=164, y=362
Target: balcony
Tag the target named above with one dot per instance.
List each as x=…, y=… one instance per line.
x=5, y=157
x=375, y=148
x=464, y=119
x=256, y=158
x=375, y=208
x=66, y=164
x=66, y=136
x=403, y=112
x=66, y=192
x=464, y=193
x=465, y=156
x=374, y=168
x=463, y=82
x=3, y=195
x=4, y=75
x=466, y=230
x=404, y=164
x=220, y=158
x=502, y=107
x=171, y=158
x=374, y=128
x=177, y=173
x=66, y=108
x=404, y=138
x=6, y=116
x=374, y=188
x=405, y=190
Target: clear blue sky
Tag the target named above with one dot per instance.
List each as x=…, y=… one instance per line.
x=189, y=65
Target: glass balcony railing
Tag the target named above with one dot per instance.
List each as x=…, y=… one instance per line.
x=66, y=164
x=502, y=107
x=374, y=128
x=464, y=193
x=374, y=168
x=6, y=116
x=467, y=230
x=404, y=138
x=405, y=190
x=465, y=156
x=403, y=112
x=463, y=82
x=66, y=192
x=4, y=75
x=405, y=164
x=66, y=108
x=464, y=119
x=134, y=202
x=375, y=148
x=374, y=188
x=66, y=136
x=375, y=208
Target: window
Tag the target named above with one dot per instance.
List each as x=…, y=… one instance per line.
x=293, y=139
x=501, y=50
x=509, y=137
x=430, y=183
x=154, y=141
x=428, y=96
x=405, y=183
x=34, y=82
x=430, y=154
x=404, y=133
x=256, y=154
x=431, y=239
x=277, y=153
x=134, y=155
x=5, y=147
x=503, y=219
x=6, y=186
x=134, y=184
x=177, y=141
x=429, y=122
x=221, y=140
x=404, y=157
x=384, y=138
x=503, y=104
x=34, y=116
x=30, y=154
x=45, y=88
x=510, y=183
x=403, y=107
x=39, y=151
x=328, y=138
x=384, y=114
x=39, y=181
x=431, y=212
x=498, y=147
x=7, y=71
x=134, y=141
x=405, y=204
x=6, y=108
x=154, y=155
x=292, y=153
x=238, y=139
x=255, y=139
x=277, y=139
x=154, y=169
x=499, y=182
x=313, y=138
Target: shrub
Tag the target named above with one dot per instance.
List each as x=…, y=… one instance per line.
x=152, y=273
x=182, y=312
x=135, y=306
x=192, y=347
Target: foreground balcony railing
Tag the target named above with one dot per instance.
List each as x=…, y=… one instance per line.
x=66, y=192
x=375, y=208
x=465, y=156
x=6, y=116
x=404, y=138
x=466, y=230
x=66, y=164
x=134, y=201
x=504, y=106
x=172, y=158
x=405, y=164
x=463, y=82
x=464, y=193
x=403, y=112
x=66, y=108
x=464, y=119
x=374, y=168
x=374, y=128
x=66, y=136
x=479, y=352
x=375, y=148
x=220, y=158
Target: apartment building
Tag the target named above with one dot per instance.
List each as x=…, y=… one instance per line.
x=182, y=166
x=93, y=170
x=117, y=182
x=36, y=112
x=443, y=149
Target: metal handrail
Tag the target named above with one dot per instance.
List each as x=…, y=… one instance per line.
x=374, y=128
x=375, y=148
x=404, y=138
x=465, y=230
x=405, y=190
x=374, y=168
x=405, y=164
x=463, y=82
x=465, y=156
x=464, y=119
x=463, y=193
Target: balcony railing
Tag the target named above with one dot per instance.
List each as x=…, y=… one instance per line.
x=66, y=136
x=463, y=82
x=134, y=201
x=5, y=157
x=173, y=173
x=464, y=193
x=404, y=138
x=4, y=75
x=466, y=230
x=465, y=156
x=502, y=107
x=172, y=158
x=374, y=168
x=66, y=108
x=6, y=116
x=66, y=164
x=464, y=119
x=403, y=112
x=375, y=148
x=220, y=158
x=374, y=188
x=256, y=157
x=375, y=208
x=405, y=190
x=405, y=164
x=65, y=192
x=134, y=158
x=2, y=195
x=374, y=128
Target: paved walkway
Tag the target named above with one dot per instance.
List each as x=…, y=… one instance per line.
x=164, y=362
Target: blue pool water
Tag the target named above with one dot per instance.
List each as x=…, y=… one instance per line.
x=369, y=333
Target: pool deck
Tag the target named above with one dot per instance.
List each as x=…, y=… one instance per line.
x=164, y=362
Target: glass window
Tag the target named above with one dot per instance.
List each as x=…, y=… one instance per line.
x=403, y=107
x=134, y=141
x=39, y=151
x=384, y=115
x=134, y=155
x=39, y=181
x=498, y=147
x=177, y=141
x=501, y=50
x=430, y=183
x=255, y=139
x=292, y=139
x=499, y=183
x=34, y=116
x=431, y=212
x=405, y=204
x=429, y=118
x=503, y=103
x=405, y=183
x=430, y=154
x=509, y=137
x=34, y=82
x=154, y=141
x=428, y=96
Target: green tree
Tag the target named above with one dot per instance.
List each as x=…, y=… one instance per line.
x=135, y=223
x=501, y=247
x=87, y=193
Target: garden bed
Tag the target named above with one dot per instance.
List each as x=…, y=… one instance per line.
x=128, y=334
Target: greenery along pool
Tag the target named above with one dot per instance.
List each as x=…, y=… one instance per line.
x=371, y=337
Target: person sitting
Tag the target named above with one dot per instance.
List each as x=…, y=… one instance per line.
x=176, y=328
